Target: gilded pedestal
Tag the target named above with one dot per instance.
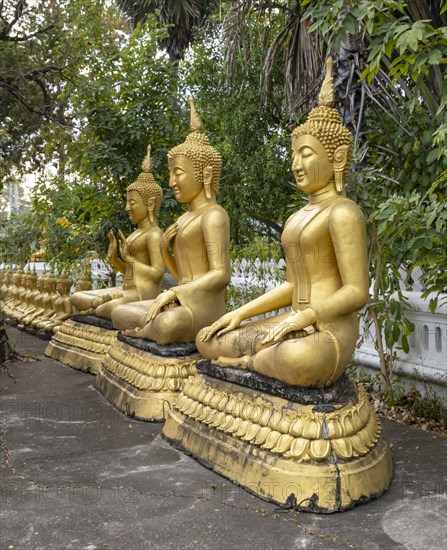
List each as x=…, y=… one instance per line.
x=323, y=457
x=145, y=381
x=82, y=342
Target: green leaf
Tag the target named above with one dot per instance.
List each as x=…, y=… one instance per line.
x=433, y=155
x=405, y=344
x=435, y=57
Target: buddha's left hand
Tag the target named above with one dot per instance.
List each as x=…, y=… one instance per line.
x=294, y=322
x=159, y=303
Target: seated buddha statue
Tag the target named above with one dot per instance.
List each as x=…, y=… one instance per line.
x=25, y=295
x=47, y=302
x=35, y=288
x=19, y=294
x=35, y=301
x=6, y=282
x=14, y=290
x=195, y=250
x=141, y=263
x=62, y=305
x=327, y=270
x=85, y=281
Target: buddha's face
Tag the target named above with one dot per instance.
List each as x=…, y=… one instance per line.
x=135, y=206
x=182, y=179
x=61, y=288
x=311, y=166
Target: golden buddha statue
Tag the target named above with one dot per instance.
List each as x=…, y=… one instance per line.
x=24, y=297
x=62, y=305
x=21, y=287
x=194, y=248
x=34, y=288
x=143, y=376
x=6, y=281
x=35, y=302
x=14, y=290
x=327, y=271
x=141, y=263
x=85, y=281
x=270, y=408
x=47, y=302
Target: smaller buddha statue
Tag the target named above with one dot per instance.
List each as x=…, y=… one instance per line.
x=85, y=281
x=12, y=300
x=195, y=250
x=30, y=283
x=141, y=263
x=34, y=289
x=6, y=281
x=19, y=290
x=62, y=305
x=44, y=301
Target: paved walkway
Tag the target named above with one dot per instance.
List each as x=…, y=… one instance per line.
x=76, y=474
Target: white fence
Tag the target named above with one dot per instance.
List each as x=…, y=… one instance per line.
x=426, y=362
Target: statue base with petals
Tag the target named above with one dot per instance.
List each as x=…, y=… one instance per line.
x=82, y=342
x=144, y=380
x=325, y=456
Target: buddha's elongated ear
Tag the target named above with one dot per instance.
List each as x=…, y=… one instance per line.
x=150, y=208
x=340, y=161
x=207, y=178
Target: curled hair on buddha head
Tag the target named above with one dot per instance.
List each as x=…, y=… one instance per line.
x=198, y=149
x=146, y=185
x=325, y=123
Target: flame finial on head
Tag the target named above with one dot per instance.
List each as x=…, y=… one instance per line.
x=146, y=165
x=195, y=124
x=326, y=97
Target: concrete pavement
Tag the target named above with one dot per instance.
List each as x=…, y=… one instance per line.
x=76, y=474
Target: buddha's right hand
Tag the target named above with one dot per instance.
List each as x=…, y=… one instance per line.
x=226, y=323
x=162, y=300
x=113, y=246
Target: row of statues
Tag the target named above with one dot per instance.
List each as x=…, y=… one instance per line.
x=38, y=302
x=325, y=252
x=319, y=429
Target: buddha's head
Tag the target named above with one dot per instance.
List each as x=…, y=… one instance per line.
x=33, y=278
x=144, y=195
x=17, y=277
x=51, y=281
x=63, y=284
x=85, y=282
x=25, y=277
x=198, y=154
x=41, y=280
x=326, y=136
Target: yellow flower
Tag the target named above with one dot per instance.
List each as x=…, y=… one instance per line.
x=63, y=222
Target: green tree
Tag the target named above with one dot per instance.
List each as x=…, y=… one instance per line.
x=179, y=17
